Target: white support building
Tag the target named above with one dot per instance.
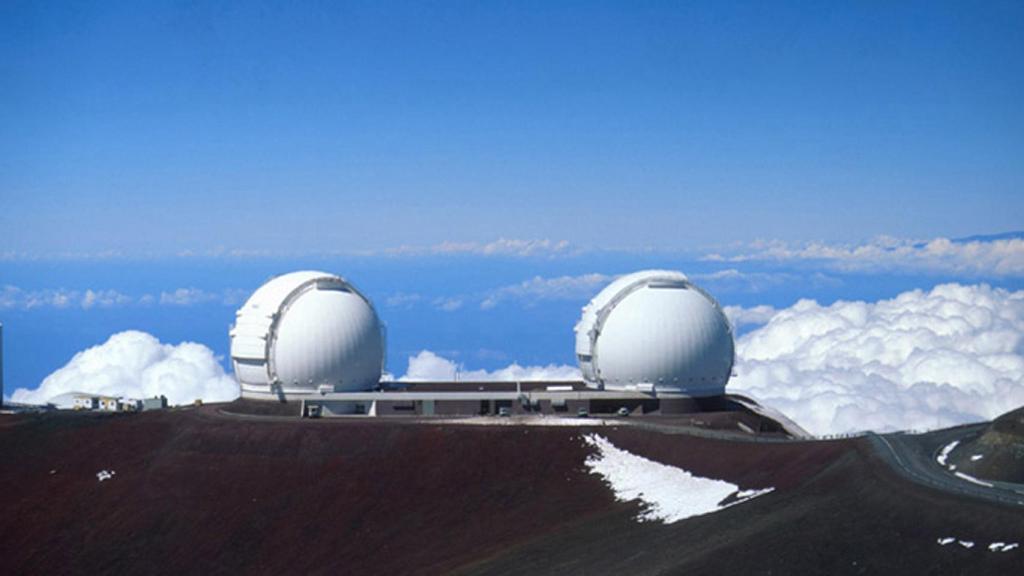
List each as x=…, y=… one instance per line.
x=85, y=402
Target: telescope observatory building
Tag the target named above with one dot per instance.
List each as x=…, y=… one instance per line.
x=306, y=333
x=655, y=329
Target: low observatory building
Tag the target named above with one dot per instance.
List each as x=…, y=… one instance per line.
x=306, y=333
x=655, y=329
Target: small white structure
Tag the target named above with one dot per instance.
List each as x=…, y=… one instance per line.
x=655, y=330
x=303, y=333
x=154, y=403
x=85, y=402
x=109, y=403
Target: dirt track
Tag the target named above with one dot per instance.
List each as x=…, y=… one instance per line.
x=195, y=492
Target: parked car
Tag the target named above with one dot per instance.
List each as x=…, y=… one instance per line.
x=582, y=413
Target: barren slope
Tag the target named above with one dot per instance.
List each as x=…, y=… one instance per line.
x=199, y=492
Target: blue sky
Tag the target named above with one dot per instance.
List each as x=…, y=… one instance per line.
x=150, y=147
x=170, y=126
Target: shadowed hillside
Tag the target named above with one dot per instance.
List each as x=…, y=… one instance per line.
x=997, y=453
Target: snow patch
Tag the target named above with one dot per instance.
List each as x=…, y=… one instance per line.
x=669, y=494
x=993, y=547
x=972, y=479
x=748, y=494
x=946, y=451
x=976, y=457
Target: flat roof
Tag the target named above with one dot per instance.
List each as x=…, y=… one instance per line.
x=493, y=386
x=485, y=394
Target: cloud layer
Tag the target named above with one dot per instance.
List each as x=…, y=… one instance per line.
x=137, y=365
x=526, y=294
x=428, y=366
x=539, y=288
x=978, y=257
x=739, y=316
x=509, y=247
x=15, y=298
x=500, y=247
x=920, y=360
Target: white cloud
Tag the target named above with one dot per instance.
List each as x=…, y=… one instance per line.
x=499, y=247
x=15, y=255
x=241, y=253
x=198, y=296
x=447, y=304
x=103, y=299
x=739, y=316
x=402, y=300
x=733, y=280
x=583, y=287
x=728, y=274
x=527, y=293
x=539, y=288
x=187, y=297
x=951, y=355
x=428, y=366
x=14, y=298
x=234, y=296
x=137, y=365
x=997, y=257
x=515, y=247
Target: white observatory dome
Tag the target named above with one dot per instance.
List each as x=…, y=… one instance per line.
x=655, y=328
x=305, y=332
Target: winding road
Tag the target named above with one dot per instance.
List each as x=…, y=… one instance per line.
x=913, y=457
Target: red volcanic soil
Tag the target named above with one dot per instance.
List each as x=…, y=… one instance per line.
x=196, y=491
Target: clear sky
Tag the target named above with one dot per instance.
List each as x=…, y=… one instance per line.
x=161, y=127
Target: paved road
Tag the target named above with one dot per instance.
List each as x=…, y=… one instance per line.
x=913, y=457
